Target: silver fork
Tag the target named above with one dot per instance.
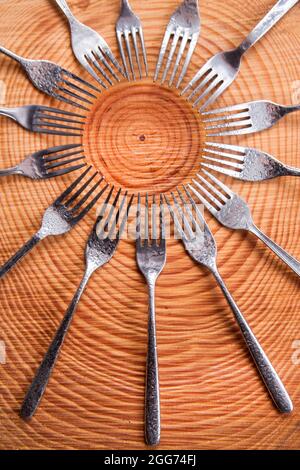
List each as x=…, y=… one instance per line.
x=91, y=50
x=221, y=70
x=201, y=246
x=233, y=212
x=101, y=247
x=185, y=25
x=128, y=25
x=62, y=215
x=245, y=118
x=151, y=259
x=244, y=163
x=48, y=163
x=53, y=80
x=46, y=120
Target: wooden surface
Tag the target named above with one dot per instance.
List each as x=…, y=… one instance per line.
x=211, y=396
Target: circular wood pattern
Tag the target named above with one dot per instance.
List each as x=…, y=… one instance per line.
x=144, y=137
x=211, y=396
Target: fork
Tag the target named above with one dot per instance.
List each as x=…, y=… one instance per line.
x=128, y=25
x=90, y=49
x=185, y=25
x=63, y=215
x=151, y=259
x=233, y=212
x=47, y=163
x=201, y=246
x=100, y=249
x=221, y=70
x=53, y=80
x=46, y=120
x=245, y=118
x=247, y=164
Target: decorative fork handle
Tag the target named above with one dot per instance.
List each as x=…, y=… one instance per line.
x=20, y=254
x=152, y=400
x=292, y=262
x=41, y=379
x=272, y=17
x=270, y=377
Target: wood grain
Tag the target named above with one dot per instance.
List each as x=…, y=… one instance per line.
x=211, y=396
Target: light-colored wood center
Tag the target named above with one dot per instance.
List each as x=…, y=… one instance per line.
x=149, y=132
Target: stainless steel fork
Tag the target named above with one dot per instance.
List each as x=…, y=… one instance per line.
x=101, y=247
x=245, y=118
x=62, y=215
x=233, y=212
x=129, y=25
x=48, y=163
x=185, y=25
x=244, y=163
x=201, y=246
x=91, y=50
x=151, y=259
x=55, y=81
x=45, y=120
x=221, y=70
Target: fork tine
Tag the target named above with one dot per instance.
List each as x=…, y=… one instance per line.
x=162, y=52
x=154, y=221
x=78, y=88
x=215, y=95
x=45, y=125
x=91, y=205
x=236, y=165
x=80, y=80
x=234, y=148
x=227, y=124
x=127, y=43
x=187, y=209
x=121, y=49
x=80, y=190
x=171, y=54
x=75, y=183
x=175, y=220
x=210, y=75
x=162, y=222
x=224, y=171
x=220, y=184
x=234, y=156
x=213, y=190
x=134, y=38
x=87, y=60
x=59, y=148
x=52, y=119
x=214, y=83
x=184, y=219
x=229, y=117
x=197, y=211
x=138, y=221
x=124, y=220
x=199, y=74
x=68, y=101
x=147, y=218
x=204, y=201
x=141, y=33
x=74, y=95
x=184, y=41
x=114, y=61
x=105, y=223
x=54, y=111
x=188, y=59
x=64, y=162
x=101, y=57
x=65, y=171
x=228, y=109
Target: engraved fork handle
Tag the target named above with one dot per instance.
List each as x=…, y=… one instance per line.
x=152, y=400
x=272, y=17
x=292, y=262
x=20, y=254
x=270, y=377
x=42, y=376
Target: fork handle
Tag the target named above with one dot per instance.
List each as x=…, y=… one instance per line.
x=15, y=170
x=292, y=262
x=20, y=254
x=66, y=10
x=270, y=377
x=152, y=399
x=42, y=376
x=272, y=17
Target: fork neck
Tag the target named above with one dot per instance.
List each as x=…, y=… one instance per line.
x=12, y=55
x=66, y=10
x=125, y=7
x=15, y=170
